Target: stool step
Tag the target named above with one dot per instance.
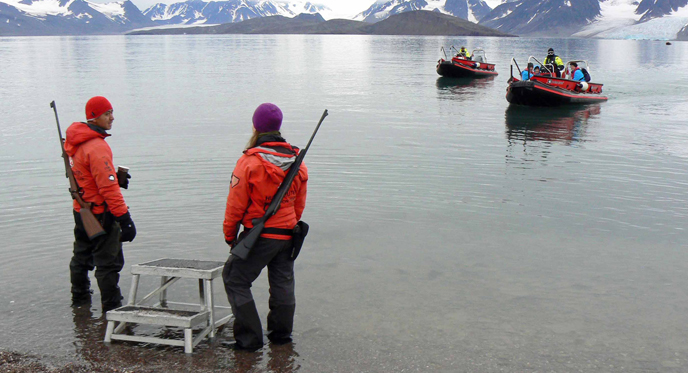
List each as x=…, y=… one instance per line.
x=187, y=268
x=158, y=316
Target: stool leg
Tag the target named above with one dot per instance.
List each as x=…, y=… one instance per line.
x=201, y=295
x=211, y=306
x=132, y=301
x=133, y=290
x=188, y=341
x=108, y=332
x=163, y=294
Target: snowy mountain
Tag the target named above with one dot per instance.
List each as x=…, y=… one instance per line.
x=619, y=19
x=471, y=10
x=228, y=11
x=542, y=17
x=65, y=17
x=683, y=34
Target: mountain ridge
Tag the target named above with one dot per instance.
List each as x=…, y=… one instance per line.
x=408, y=23
x=616, y=19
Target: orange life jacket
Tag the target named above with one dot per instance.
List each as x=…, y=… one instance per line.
x=256, y=177
x=91, y=160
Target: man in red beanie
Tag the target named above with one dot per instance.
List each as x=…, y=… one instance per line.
x=91, y=160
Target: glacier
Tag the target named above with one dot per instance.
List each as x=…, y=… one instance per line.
x=618, y=20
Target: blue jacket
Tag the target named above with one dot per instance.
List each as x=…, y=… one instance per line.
x=525, y=75
x=578, y=75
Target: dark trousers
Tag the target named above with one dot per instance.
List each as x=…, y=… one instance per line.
x=238, y=275
x=104, y=254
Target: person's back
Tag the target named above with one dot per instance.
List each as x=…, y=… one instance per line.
x=578, y=75
x=255, y=180
x=528, y=72
x=526, y=75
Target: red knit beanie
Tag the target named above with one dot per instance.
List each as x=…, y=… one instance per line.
x=96, y=107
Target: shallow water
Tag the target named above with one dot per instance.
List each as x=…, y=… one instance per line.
x=449, y=231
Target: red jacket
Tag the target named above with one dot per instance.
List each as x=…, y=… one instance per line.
x=255, y=180
x=91, y=160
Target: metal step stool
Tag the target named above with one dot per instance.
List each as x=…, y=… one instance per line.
x=183, y=315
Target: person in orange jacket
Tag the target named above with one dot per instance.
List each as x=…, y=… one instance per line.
x=90, y=158
x=255, y=179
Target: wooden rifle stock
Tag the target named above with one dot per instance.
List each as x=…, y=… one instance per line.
x=91, y=223
x=244, y=246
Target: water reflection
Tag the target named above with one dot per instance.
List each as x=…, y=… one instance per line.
x=282, y=358
x=462, y=86
x=208, y=356
x=565, y=125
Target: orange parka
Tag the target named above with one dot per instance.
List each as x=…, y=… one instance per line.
x=255, y=180
x=91, y=160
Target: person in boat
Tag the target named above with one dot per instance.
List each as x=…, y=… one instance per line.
x=555, y=61
x=91, y=161
x=463, y=52
x=576, y=73
x=528, y=73
x=536, y=70
x=255, y=179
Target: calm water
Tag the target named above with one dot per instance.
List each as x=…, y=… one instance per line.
x=449, y=232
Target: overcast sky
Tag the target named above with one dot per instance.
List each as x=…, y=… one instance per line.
x=339, y=7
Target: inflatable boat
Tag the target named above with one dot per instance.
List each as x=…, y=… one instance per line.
x=475, y=66
x=547, y=89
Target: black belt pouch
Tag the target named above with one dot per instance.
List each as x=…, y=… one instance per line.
x=300, y=232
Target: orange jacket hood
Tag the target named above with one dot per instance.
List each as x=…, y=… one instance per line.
x=78, y=133
x=277, y=157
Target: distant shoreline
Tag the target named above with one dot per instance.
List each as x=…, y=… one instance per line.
x=416, y=23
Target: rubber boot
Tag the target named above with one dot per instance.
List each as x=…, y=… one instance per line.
x=81, y=297
x=281, y=323
x=248, y=332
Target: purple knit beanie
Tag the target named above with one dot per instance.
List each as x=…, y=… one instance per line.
x=267, y=118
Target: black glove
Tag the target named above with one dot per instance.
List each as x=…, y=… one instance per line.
x=123, y=180
x=127, y=226
x=230, y=243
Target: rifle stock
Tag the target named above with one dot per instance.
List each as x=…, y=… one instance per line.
x=91, y=224
x=244, y=246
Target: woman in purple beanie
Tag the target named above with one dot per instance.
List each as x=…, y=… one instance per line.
x=256, y=177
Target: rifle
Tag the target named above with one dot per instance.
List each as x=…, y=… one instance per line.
x=243, y=247
x=91, y=223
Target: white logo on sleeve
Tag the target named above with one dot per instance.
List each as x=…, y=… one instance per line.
x=111, y=177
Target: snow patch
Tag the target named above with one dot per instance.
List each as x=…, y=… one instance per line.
x=42, y=7
x=110, y=10
x=471, y=16
x=169, y=26
x=494, y=3
x=506, y=14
